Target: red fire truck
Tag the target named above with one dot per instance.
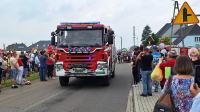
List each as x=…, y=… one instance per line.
x=84, y=50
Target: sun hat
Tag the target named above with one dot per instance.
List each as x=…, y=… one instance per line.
x=172, y=53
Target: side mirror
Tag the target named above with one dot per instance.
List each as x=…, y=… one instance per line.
x=110, y=39
x=53, y=39
x=105, y=31
x=111, y=32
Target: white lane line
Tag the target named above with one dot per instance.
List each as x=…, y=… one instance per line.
x=28, y=89
x=42, y=101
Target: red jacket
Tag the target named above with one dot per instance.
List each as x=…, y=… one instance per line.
x=50, y=61
x=169, y=63
x=20, y=62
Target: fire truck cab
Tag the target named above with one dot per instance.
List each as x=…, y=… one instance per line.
x=84, y=50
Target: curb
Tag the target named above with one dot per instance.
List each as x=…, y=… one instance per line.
x=129, y=107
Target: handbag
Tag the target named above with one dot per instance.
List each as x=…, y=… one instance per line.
x=165, y=102
x=156, y=75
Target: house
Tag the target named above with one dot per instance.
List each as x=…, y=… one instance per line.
x=17, y=47
x=188, y=36
x=40, y=45
x=166, y=30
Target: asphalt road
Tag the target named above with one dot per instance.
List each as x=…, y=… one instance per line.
x=81, y=96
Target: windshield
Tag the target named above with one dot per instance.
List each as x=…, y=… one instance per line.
x=80, y=38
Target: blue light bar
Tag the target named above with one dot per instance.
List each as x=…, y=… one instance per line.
x=80, y=22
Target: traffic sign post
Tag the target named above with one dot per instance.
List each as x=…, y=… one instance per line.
x=186, y=15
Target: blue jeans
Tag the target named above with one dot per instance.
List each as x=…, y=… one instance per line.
x=146, y=82
x=156, y=85
x=25, y=72
x=43, y=71
x=13, y=73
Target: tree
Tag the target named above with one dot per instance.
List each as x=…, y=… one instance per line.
x=153, y=39
x=146, y=33
x=167, y=40
x=156, y=39
x=133, y=47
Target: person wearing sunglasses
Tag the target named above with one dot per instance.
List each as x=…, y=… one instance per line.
x=194, y=56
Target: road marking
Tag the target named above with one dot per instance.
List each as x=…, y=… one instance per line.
x=42, y=101
x=19, y=92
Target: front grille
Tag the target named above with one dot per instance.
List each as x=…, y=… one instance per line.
x=80, y=60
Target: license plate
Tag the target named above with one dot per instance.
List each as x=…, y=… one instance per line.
x=78, y=70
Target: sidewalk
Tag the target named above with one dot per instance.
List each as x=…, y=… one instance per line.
x=130, y=102
x=137, y=103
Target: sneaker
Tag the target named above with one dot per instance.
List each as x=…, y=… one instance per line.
x=149, y=94
x=133, y=85
x=156, y=91
x=14, y=86
x=28, y=83
x=143, y=95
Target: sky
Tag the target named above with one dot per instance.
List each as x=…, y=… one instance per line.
x=29, y=21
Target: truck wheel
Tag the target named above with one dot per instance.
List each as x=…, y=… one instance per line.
x=113, y=73
x=64, y=81
x=106, y=81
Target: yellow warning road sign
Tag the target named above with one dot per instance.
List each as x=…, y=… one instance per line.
x=186, y=15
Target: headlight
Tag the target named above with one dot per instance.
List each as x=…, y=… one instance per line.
x=101, y=65
x=59, y=66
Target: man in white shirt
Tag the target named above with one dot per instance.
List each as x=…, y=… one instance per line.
x=195, y=91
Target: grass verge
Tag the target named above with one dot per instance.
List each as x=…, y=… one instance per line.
x=33, y=76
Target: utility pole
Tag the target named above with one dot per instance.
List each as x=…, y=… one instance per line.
x=4, y=46
x=176, y=7
x=134, y=36
x=121, y=43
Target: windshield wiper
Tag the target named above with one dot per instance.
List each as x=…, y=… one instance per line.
x=80, y=45
x=62, y=46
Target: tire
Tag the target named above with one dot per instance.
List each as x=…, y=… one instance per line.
x=106, y=81
x=113, y=73
x=64, y=81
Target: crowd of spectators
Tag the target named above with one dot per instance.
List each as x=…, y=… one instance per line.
x=17, y=66
x=185, y=75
